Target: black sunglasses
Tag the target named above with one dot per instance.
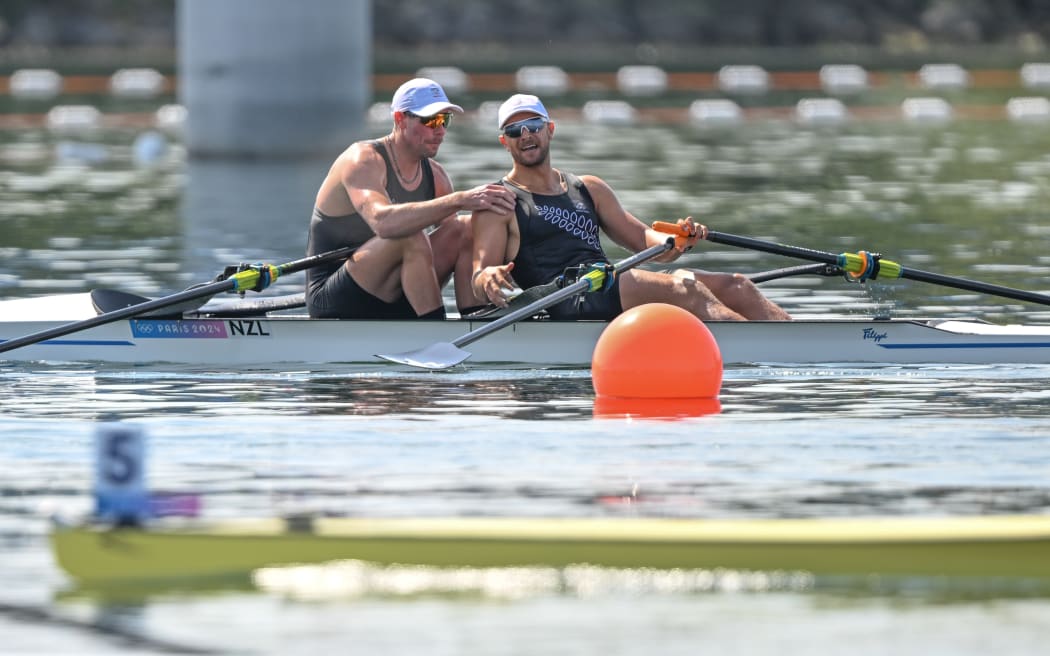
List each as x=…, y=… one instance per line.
x=534, y=124
x=442, y=120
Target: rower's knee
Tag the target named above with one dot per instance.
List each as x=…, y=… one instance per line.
x=453, y=235
x=462, y=235
x=720, y=284
x=416, y=247
x=741, y=284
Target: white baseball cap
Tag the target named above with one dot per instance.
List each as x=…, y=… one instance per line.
x=422, y=97
x=520, y=102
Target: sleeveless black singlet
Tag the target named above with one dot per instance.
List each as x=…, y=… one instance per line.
x=328, y=233
x=558, y=232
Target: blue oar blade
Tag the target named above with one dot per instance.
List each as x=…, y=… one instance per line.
x=439, y=355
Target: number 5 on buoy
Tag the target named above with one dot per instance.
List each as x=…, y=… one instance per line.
x=121, y=496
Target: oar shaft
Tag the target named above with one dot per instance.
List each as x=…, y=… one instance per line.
x=798, y=270
x=315, y=260
x=975, y=286
x=117, y=315
x=522, y=313
x=245, y=280
x=905, y=272
x=770, y=247
x=558, y=296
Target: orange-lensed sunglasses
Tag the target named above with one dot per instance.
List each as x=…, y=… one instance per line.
x=441, y=120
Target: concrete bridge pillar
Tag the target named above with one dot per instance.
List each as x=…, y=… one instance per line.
x=273, y=78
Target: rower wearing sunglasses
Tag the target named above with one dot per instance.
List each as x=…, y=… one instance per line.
x=556, y=226
x=395, y=205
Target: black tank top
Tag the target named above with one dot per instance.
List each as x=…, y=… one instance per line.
x=556, y=232
x=328, y=233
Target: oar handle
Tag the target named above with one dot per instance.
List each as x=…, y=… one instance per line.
x=670, y=228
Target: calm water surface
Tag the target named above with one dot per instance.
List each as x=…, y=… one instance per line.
x=968, y=199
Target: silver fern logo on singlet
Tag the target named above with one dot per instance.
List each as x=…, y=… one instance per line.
x=575, y=222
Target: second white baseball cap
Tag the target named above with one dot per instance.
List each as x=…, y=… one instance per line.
x=520, y=102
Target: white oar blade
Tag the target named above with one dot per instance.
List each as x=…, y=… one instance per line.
x=440, y=355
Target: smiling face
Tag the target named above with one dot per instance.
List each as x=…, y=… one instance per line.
x=531, y=146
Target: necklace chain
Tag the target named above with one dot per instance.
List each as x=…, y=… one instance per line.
x=558, y=188
x=397, y=165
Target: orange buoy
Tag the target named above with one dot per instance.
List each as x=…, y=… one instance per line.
x=654, y=351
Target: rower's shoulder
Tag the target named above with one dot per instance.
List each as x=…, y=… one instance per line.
x=592, y=183
x=440, y=174
x=368, y=148
x=359, y=156
x=586, y=178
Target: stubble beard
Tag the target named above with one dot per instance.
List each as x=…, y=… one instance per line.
x=533, y=158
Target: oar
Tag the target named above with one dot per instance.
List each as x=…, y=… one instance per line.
x=863, y=265
x=240, y=281
x=529, y=295
x=253, y=307
x=798, y=270
x=442, y=355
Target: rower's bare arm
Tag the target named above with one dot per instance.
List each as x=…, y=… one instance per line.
x=620, y=225
x=625, y=228
x=366, y=185
x=493, y=197
x=363, y=176
x=442, y=187
x=493, y=240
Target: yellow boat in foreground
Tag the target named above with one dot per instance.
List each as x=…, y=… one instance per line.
x=992, y=546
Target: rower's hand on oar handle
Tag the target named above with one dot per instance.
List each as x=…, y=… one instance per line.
x=686, y=232
x=495, y=284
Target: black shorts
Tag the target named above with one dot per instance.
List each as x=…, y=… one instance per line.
x=604, y=304
x=340, y=297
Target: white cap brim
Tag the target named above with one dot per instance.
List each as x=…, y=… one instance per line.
x=436, y=108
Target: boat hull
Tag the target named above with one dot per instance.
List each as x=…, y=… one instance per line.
x=1002, y=546
x=274, y=340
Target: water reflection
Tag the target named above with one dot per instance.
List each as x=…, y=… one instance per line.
x=966, y=199
x=963, y=199
x=796, y=443
x=993, y=391
x=246, y=211
x=655, y=408
x=129, y=393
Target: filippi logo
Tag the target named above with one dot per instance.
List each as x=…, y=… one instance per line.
x=874, y=335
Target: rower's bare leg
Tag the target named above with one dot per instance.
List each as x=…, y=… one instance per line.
x=418, y=279
x=737, y=293
x=388, y=268
x=453, y=244
x=638, y=287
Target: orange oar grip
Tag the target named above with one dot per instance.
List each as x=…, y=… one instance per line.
x=670, y=228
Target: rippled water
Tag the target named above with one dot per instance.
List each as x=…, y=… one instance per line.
x=966, y=200
x=969, y=201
